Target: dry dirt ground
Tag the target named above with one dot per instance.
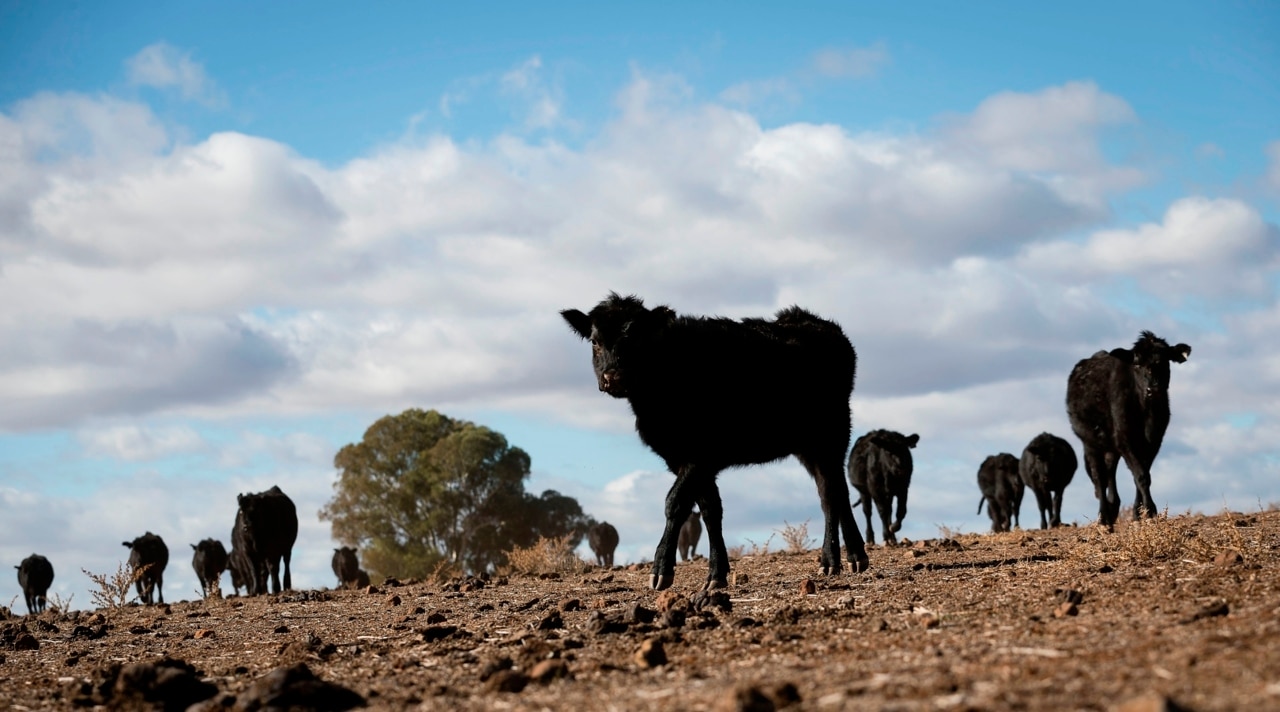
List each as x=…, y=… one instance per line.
x=1180, y=612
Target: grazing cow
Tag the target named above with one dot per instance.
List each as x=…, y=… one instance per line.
x=1118, y=402
x=240, y=568
x=603, y=540
x=35, y=576
x=690, y=533
x=1048, y=463
x=880, y=469
x=147, y=558
x=1002, y=490
x=714, y=393
x=266, y=527
x=346, y=566
x=209, y=561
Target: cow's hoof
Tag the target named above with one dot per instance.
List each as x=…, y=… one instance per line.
x=715, y=583
x=860, y=564
x=661, y=583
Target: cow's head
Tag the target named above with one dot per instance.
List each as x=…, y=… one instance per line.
x=621, y=330
x=1150, y=358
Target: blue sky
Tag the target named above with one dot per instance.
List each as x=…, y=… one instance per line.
x=232, y=236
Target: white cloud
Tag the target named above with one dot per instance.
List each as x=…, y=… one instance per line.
x=853, y=63
x=135, y=443
x=1203, y=247
x=164, y=66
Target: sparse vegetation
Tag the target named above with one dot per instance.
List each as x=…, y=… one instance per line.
x=58, y=604
x=547, y=555
x=795, y=536
x=760, y=549
x=114, y=589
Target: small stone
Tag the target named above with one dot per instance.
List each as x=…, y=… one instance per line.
x=637, y=613
x=507, y=681
x=917, y=553
x=930, y=620
x=784, y=694
x=745, y=698
x=570, y=604
x=435, y=618
x=674, y=618
x=738, y=578
x=1228, y=557
x=26, y=641
x=1105, y=569
x=205, y=633
x=281, y=629
x=493, y=667
x=551, y=621
x=808, y=587
x=669, y=599
x=651, y=654
x=1068, y=595
x=1064, y=609
x=1151, y=702
x=393, y=599
x=371, y=590
x=600, y=624
x=548, y=670
x=707, y=600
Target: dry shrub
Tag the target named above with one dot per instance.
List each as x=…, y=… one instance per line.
x=59, y=604
x=736, y=552
x=444, y=570
x=546, y=556
x=1163, y=538
x=760, y=549
x=113, y=589
x=796, y=536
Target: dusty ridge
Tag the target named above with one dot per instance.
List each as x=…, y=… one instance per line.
x=1187, y=609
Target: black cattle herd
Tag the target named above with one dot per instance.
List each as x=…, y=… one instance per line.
x=711, y=393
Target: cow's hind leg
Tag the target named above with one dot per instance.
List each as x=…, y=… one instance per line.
x=288, y=579
x=837, y=512
x=866, y=512
x=713, y=520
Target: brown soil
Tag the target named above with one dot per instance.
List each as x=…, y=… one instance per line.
x=1184, y=610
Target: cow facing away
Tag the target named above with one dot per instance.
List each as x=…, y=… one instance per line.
x=346, y=566
x=1047, y=465
x=35, y=576
x=880, y=468
x=1002, y=490
x=714, y=393
x=266, y=527
x=209, y=561
x=240, y=568
x=603, y=540
x=147, y=558
x=690, y=533
x=1118, y=402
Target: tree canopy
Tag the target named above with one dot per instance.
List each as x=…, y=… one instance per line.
x=421, y=488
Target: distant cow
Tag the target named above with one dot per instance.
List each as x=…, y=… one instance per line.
x=147, y=558
x=603, y=540
x=209, y=561
x=1118, y=402
x=880, y=468
x=346, y=566
x=240, y=568
x=266, y=527
x=35, y=576
x=690, y=533
x=1002, y=490
x=714, y=393
x=1048, y=463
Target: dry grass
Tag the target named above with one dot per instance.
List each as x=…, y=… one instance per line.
x=795, y=536
x=546, y=556
x=59, y=604
x=114, y=589
x=1164, y=538
x=758, y=549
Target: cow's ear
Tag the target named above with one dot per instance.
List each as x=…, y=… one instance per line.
x=193, y=546
x=912, y=439
x=665, y=312
x=579, y=322
x=1124, y=355
x=1179, y=353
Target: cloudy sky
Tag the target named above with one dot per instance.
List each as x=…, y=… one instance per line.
x=231, y=237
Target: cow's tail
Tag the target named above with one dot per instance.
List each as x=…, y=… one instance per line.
x=980, y=503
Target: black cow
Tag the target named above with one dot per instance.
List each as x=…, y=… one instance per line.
x=209, y=561
x=603, y=540
x=147, y=558
x=346, y=566
x=1118, y=402
x=880, y=468
x=266, y=527
x=1048, y=463
x=35, y=576
x=1002, y=490
x=239, y=566
x=690, y=533
x=713, y=393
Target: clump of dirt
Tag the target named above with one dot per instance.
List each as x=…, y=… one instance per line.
x=1181, y=611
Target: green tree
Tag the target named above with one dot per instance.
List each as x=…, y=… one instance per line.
x=421, y=488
